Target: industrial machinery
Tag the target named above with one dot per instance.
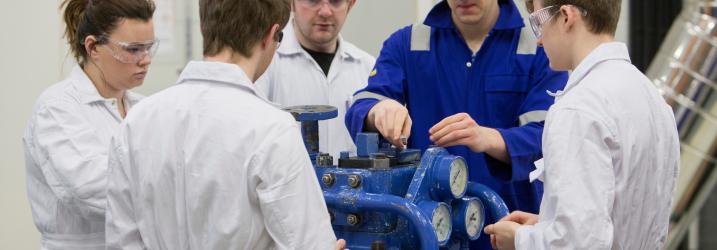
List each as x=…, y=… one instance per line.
x=385, y=198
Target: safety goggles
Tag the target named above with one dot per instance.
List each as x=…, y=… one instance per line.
x=131, y=52
x=334, y=4
x=540, y=17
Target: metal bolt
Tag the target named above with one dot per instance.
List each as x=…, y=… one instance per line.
x=378, y=156
x=354, y=180
x=328, y=179
x=352, y=219
x=324, y=159
x=404, y=140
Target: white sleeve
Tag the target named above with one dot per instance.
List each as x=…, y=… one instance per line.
x=290, y=198
x=121, y=231
x=579, y=186
x=73, y=159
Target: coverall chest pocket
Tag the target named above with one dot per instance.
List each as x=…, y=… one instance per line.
x=504, y=97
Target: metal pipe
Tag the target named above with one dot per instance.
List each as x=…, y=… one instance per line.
x=496, y=208
x=391, y=204
x=685, y=71
x=310, y=134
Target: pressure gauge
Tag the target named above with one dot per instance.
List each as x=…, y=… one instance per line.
x=459, y=177
x=468, y=216
x=441, y=220
x=450, y=177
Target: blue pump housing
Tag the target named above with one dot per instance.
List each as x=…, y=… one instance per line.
x=385, y=198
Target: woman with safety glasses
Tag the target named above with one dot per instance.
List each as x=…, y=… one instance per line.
x=68, y=135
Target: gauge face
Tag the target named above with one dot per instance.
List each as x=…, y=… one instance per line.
x=458, y=177
x=474, y=218
x=442, y=222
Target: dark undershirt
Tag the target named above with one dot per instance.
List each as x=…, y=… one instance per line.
x=323, y=59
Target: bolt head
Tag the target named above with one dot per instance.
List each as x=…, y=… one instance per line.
x=354, y=181
x=327, y=179
x=352, y=219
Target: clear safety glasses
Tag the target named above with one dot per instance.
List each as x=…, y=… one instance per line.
x=540, y=17
x=334, y=4
x=131, y=52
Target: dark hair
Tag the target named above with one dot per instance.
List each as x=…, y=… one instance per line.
x=602, y=15
x=239, y=24
x=97, y=18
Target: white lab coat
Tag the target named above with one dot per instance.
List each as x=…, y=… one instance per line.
x=611, y=160
x=66, y=143
x=294, y=78
x=208, y=164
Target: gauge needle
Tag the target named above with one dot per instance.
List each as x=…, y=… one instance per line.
x=456, y=176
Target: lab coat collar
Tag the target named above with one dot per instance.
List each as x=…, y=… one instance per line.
x=509, y=18
x=88, y=92
x=218, y=72
x=604, y=52
x=291, y=46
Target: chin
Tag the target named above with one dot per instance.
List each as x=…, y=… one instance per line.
x=322, y=38
x=470, y=19
x=558, y=67
x=134, y=84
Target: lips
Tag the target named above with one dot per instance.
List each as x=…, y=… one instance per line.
x=140, y=75
x=325, y=26
x=465, y=6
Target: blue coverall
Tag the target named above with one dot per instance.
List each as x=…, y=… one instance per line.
x=430, y=68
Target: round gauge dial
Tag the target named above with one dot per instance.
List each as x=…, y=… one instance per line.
x=458, y=177
x=474, y=218
x=441, y=220
x=450, y=178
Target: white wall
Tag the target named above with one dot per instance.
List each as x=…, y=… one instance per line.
x=31, y=59
x=623, y=26
x=34, y=56
x=372, y=21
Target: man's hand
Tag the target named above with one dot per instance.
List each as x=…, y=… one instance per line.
x=340, y=244
x=461, y=129
x=391, y=119
x=502, y=234
x=521, y=218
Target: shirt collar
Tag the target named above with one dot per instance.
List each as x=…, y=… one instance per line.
x=291, y=46
x=604, y=52
x=88, y=93
x=132, y=98
x=509, y=17
x=226, y=73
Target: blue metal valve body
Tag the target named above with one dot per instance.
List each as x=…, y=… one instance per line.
x=385, y=198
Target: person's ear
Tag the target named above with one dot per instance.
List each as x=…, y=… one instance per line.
x=569, y=16
x=269, y=39
x=351, y=5
x=90, y=44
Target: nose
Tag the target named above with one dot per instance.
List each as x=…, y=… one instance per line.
x=145, y=61
x=325, y=9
